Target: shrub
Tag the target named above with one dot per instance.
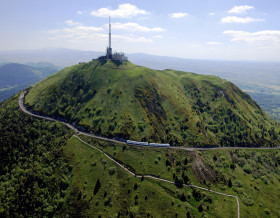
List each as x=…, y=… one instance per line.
x=112, y=170
x=247, y=169
x=247, y=200
x=242, y=162
x=135, y=186
x=167, y=163
x=267, y=211
x=200, y=208
x=196, y=194
x=264, y=179
x=232, y=166
x=178, y=182
x=238, y=183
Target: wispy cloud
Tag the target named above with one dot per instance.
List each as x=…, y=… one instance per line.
x=123, y=11
x=71, y=23
x=158, y=36
x=135, y=27
x=242, y=9
x=213, y=43
x=211, y=14
x=178, y=15
x=271, y=36
x=132, y=39
x=77, y=32
x=234, y=19
x=79, y=12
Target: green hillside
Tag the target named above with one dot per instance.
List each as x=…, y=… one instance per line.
x=150, y=105
x=46, y=172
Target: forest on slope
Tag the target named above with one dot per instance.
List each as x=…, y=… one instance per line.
x=34, y=175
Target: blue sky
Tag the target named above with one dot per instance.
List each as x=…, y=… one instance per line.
x=196, y=29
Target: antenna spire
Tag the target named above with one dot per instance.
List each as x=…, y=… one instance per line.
x=109, y=55
x=109, y=32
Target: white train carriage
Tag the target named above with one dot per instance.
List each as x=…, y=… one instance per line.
x=137, y=143
x=131, y=142
x=159, y=145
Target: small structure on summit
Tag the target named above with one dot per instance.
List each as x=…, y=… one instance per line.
x=117, y=56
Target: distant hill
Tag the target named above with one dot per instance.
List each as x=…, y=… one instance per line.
x=58, y=56
x=139, y=103
x=15, y=77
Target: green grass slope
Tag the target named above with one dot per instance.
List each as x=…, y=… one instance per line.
x=150, y=105
x=225, y=171
x=119, y=194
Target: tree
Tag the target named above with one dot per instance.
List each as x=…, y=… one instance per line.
x=135, y=186
x=97, y=187
x=200, y=208
x=178, y=182
x=183, y=197
x=215, y=157
x=247, y=169
x=167, y=163
x=229, y=183
x=232, y=166
x=185, y=178
x=196, y=195
x=186, y=161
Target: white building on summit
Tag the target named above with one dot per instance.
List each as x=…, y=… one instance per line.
x=109, y=54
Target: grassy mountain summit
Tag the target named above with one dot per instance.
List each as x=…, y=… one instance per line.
x=142, y=104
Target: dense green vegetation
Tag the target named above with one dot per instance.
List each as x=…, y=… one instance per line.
x=108, y=190
x=252, y=175
x=44, y=172
x=34, y=174
x=40, y=177
x=157, y=106
x=15, y=77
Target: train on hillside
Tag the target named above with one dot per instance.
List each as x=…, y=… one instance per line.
x=130, y=142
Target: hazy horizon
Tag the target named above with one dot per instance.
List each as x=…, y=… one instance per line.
x=138, y=53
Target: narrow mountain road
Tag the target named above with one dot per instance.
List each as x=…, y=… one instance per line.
x=22, y=107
